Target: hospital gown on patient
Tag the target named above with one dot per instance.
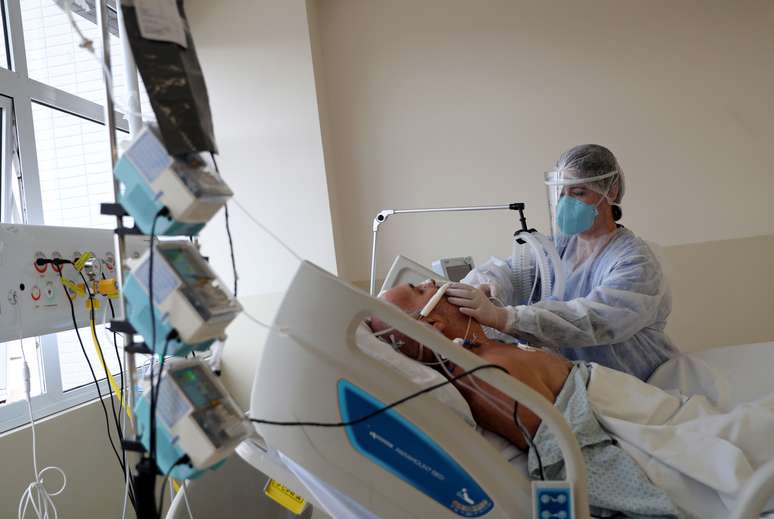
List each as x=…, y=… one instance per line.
x=616, y=483
x=614, y=309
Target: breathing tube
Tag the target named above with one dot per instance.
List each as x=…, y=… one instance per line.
x=545, y=259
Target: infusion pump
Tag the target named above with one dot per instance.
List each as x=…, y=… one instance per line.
x=188, y=299
x=185, y=185
x=195, y=416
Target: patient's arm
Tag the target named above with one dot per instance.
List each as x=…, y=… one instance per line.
x=544, y=372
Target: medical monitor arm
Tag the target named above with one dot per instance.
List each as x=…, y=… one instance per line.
x=382, y=216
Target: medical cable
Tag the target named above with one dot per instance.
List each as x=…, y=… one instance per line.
x=267, y=230
x=496, y=402
x=91, y=369
x=228, y=232
x=282, y=330
x=115, y=338
x=114, y=342
x=161, y=212
x=61, y=263
x=108, y=374
x=36, y=494
x=123, y=409
x=500, y=406
x=368, y=416
x=101, y=357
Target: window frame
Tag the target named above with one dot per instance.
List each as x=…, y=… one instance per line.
x=17, y=93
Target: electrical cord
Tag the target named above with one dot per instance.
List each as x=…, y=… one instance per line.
x=500, y=406
x=108, y=375
x=228, y=232
x=88, y=362
x=115, y=340
x=124, y=413
x=529, y=441
x=100, y=354
x=383, y=409
x=152, y=419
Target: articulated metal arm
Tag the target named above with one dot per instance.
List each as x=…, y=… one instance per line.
x=382, y=216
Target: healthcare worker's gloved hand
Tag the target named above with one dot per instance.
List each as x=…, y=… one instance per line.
x=475, y=303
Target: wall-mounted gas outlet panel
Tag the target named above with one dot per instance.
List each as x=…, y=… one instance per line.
x=32, y=297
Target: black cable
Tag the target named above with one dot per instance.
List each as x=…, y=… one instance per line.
x=116, y=419
x=91, y=369
x=93, y=326
x=529, y=441
x=158, y=380
x=121, y=384
x=228, y=233
x=115, y=343
x=152, y=418
x=180, y=461
x=381, y=409
x=231, y=249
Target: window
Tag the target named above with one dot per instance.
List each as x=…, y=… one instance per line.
x=54, y=170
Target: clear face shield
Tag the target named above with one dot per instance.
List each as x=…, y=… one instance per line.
x=569, y=215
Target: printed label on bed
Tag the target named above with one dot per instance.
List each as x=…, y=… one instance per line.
x=397, y=445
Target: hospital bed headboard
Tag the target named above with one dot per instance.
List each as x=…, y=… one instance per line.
x=404, y=270
x=399, y=463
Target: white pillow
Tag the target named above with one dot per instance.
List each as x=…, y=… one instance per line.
x=421, y=375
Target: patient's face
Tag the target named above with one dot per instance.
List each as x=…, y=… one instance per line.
x=409, y=297
x=446, y=317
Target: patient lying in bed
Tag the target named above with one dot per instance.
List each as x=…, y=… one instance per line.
x=542, y=371
x=684, y=445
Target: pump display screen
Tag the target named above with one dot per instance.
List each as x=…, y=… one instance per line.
x=197, y=386
x=200, y=286
x=186, y=265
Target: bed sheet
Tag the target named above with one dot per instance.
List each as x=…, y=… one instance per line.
x=728, y=375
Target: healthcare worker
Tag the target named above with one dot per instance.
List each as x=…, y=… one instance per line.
x=616, y=299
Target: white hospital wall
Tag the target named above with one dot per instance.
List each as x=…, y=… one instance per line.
x=451, y=102
x=257, y=61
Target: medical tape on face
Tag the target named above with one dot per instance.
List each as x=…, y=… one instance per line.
x=430, y=306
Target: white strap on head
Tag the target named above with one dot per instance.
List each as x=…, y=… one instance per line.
x=577, y=181
x=430, y=306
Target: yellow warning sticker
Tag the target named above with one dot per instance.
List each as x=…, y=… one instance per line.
x=284, y=496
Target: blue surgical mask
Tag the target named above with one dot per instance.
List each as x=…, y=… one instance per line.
x=574, y=216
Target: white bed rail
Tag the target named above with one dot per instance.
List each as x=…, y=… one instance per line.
x=756, y=493
x=313, y=348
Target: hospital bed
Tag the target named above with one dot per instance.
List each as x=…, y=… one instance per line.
x=418, y=460
x=313, y=347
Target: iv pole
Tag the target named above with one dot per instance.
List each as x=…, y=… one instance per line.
x=382, y=216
